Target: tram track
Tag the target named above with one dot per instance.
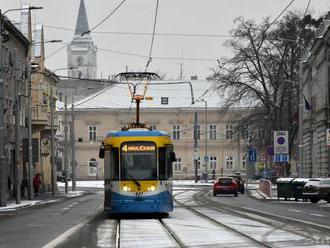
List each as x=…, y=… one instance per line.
x=256, y=215
x=175, y=238
x=117, y=237
x=218, y=223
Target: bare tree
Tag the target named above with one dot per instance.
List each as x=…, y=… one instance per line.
x=264, y=70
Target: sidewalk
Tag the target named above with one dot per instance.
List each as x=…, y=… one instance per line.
x=43, y=198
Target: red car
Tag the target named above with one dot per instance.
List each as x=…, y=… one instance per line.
x=225, y=185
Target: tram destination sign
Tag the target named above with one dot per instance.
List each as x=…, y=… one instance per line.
x=138, y=148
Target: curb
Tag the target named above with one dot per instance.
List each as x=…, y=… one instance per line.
x=40, y=203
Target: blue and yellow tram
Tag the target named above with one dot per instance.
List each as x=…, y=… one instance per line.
x=137, y=171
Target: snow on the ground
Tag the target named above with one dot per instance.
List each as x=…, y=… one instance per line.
x=13, y=206
x=85, y=184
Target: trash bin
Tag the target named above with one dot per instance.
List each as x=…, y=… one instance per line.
x=285, y=188
x=298, y=185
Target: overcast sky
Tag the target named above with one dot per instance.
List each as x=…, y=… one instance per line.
x=174, y=16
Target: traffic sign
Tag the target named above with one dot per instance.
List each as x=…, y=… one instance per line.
x=270, y=151
x=206, y=158
x=252, y=155
x=281, y=144
x=281, y=158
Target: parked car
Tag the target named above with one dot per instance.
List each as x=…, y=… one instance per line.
x=225, y=185
x=317, y=189
x=240, y=183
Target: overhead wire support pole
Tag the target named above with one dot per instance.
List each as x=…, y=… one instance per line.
x=3, y=174
x=30, y=151
x=52, y=142
x=17, y=178
x=66, y=143
x=300, y=130
x=206, y=155
x=73, y=159
x=195, y=146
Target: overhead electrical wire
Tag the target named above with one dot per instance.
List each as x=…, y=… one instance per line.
x=153, y=36
x=307, y=7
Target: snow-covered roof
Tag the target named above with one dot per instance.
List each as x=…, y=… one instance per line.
x=179, y=96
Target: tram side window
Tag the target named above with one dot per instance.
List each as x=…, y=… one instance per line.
x=165, y=163
x=162, y=163
x=114, y=164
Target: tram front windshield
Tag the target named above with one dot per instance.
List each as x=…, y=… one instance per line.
x=141, y=165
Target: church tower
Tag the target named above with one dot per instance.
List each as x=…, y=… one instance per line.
x=82, y=51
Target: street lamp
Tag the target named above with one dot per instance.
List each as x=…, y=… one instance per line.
x=206, y=156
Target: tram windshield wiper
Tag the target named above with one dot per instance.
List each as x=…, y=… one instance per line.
x=134, y=180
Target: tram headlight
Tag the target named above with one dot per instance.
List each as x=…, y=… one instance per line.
x=152, y=188
x=125, y=188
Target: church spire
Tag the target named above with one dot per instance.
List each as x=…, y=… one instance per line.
x=82, y=22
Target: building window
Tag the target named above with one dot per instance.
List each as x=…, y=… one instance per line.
x=229, y=162
x=164, y=100
x=177, y=164
x=213, y=163
x=92, y=133
x=197, y=132
x=244, y=162
x=229, y=131
x=212, y=132
x=176, y=132
x=92, y=167
x=153, y=128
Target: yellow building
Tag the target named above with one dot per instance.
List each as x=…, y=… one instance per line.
x=43, y=84
x=170, y=110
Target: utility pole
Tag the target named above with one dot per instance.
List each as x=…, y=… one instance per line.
x=3, y=169
x=206, y=155
x=195, y=146
x=66, y=143
x=73, y=159
x=52, y=142
x=30, y=165
x=238, y=169
x=300, y=131
x=17, y=178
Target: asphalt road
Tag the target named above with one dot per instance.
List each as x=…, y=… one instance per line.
x=37, y=226
x=306, y=211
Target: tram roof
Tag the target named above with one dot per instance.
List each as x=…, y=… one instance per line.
x=178, y=96
x=136, y=132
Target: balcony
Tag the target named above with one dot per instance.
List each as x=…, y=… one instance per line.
x=40, y=116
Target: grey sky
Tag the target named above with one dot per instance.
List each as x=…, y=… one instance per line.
x=174, y=16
